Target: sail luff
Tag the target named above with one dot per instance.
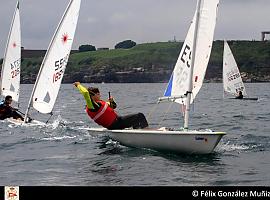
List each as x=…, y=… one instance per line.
x=223, y=69
x=193, y=57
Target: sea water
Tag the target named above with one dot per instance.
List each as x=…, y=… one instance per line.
x=64, y=152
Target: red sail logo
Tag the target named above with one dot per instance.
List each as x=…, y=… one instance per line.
x=65, y=38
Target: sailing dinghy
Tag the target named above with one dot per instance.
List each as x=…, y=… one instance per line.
x=185, y=83
x=52, y=69
x=11, y=68
x=232, y=81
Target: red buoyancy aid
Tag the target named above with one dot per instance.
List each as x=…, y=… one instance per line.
x=105, y=115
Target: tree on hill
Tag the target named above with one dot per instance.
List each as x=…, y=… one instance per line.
x=1, y=61
x=87, y=47
x=127, y=44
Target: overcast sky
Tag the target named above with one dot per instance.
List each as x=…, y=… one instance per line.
x=103, y=23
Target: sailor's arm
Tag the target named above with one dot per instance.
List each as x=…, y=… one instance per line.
x=85, y=94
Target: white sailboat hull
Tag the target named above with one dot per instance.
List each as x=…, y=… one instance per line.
x=21, y=123
x=191, y=142
x=186, y=80
x=248, y=98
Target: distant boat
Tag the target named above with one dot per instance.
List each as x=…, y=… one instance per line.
x=52, y=69
x=232, y=80
x=11, y=68
x=185, y=83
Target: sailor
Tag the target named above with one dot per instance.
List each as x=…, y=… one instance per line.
x=6, y=111
x=103, y=112
x=240, y=95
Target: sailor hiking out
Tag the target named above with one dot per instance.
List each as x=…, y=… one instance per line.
x=7, y=111
x=103, y=112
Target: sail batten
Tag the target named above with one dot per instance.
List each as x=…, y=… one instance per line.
x=10, y=74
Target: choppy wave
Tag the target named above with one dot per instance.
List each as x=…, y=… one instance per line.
x=228, y=147
x=58, y=138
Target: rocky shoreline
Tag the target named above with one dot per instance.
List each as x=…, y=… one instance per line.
x=137, y=77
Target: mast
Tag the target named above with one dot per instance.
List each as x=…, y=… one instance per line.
x=190, y=86
x=223, y=72
x=44, y=60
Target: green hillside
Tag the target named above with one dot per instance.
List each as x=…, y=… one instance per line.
x=153, y=62
x=143, y=55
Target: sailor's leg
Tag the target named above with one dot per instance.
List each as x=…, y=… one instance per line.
x=16, y=115
x=141, y=121
x=122, y=123
x=135, y=121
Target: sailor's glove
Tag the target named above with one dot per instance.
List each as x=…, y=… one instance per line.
x=112, y=103
x=111, y=99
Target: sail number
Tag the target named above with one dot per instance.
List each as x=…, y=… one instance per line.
x=235, y=76
x=59, y=68
x=232, y=75
x=15, y=68
x=186, y=56
x=239, y=87
x=181, y=74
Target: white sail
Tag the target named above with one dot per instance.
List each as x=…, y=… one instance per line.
x=53, y=66
x=10, y=74
x=179, y=82
x=232, y=81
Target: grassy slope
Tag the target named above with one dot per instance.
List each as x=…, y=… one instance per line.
x=251, y=56
x=142, y=55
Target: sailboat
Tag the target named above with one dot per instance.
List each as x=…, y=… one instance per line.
x=52, y=69
x=232, y=81
x=10, y=74
x=184, y=84
x=11, y=68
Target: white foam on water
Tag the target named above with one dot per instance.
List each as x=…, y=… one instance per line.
x=14, y=123
x=83, y=128
x=11, y=125
x=58, y=138
x=227, y=147
x=59, y=121
x=111, y=142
